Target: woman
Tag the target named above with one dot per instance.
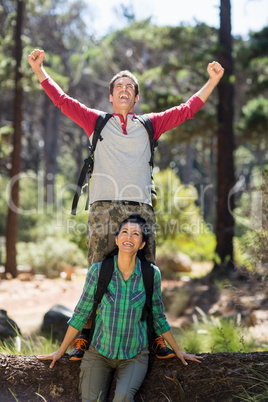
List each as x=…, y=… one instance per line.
x=120, y=338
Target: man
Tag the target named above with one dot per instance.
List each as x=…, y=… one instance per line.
x=121, y=180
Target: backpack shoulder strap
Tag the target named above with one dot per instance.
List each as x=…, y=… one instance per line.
x=105, y=276
x=148, y=280
x=100, y=123
x=88, y=162
x=144, y=119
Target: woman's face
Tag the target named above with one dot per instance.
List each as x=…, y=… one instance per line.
x=129, y=238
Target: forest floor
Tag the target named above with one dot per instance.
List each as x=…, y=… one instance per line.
x=27, y=298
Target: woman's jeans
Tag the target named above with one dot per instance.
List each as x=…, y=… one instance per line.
x=96, y=374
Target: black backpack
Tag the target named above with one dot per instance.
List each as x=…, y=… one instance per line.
x=88, y=166
x=106, y=272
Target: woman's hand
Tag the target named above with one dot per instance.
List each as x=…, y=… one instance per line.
x=52, y=356
x=188, y=356
x=70, y=335
x=179, y=353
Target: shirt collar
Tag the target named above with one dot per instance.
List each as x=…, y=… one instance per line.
x=137, y=269
x=124, y=123
x=131, y=115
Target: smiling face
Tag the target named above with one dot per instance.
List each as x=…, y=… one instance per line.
x=123, y=97
x=130, y=238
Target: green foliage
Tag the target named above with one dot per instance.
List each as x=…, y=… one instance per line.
x=5, y=147
x=31, y=209
x=38, y=220
x=254, y=120
x=248, y=212
x=76, y=226
x=253, y=243
x=240, y=258
x=244, y=155
x=258, y=389
x=32, y=345
x=51, y=256
x=3, y=205
x=201, y=247
x=175, y=210
x=214, y=335
x=180, y=226
x=179, y=222
x=170, y=63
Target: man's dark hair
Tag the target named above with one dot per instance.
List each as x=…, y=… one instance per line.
x=125, y=73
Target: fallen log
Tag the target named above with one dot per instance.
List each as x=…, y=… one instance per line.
x=220, y=377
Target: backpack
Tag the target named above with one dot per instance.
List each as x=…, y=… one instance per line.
x=88, y=166
x=106, y=272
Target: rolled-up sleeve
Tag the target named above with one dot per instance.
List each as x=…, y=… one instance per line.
x=173, y=117
x=160, y=322
x=84, y=306
x=82, y=115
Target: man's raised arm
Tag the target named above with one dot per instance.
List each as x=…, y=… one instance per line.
x=35, y=60
x=215, y=71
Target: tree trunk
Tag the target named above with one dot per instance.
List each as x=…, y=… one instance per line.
x=51, y=135
x=12, y=215
x=220, y=377
x=189, y=164
x=226, y=178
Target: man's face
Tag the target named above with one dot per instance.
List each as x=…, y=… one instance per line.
x=123, y=97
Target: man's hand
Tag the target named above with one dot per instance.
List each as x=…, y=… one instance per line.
x=215, y=70
x=35, y=60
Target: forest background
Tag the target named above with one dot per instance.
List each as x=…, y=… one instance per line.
x=42, y=151
x=209, y=172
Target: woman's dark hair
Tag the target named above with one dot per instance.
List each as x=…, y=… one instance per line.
x=145, y=229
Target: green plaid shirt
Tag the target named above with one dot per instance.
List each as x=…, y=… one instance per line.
x=119, y=331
